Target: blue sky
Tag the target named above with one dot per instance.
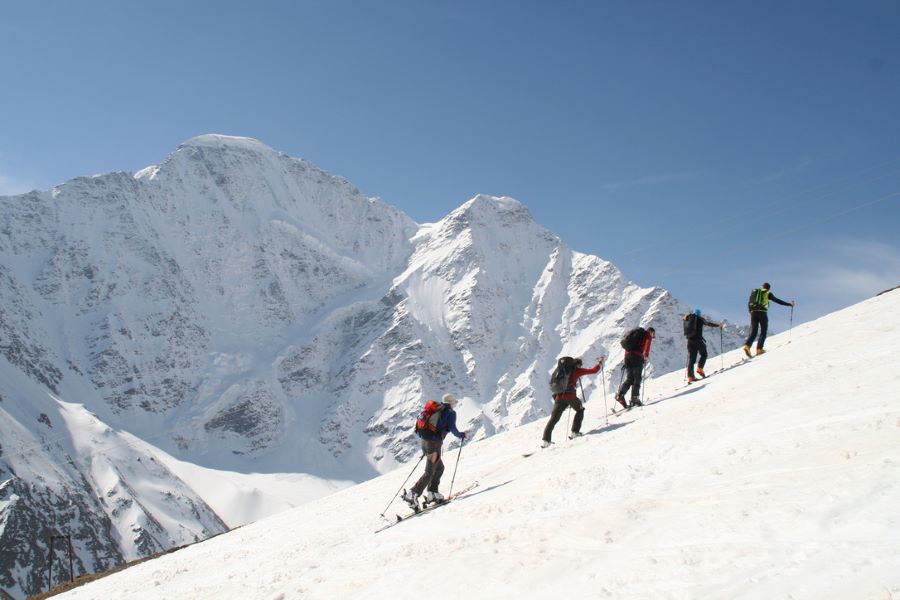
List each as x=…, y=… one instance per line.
x=704, y=147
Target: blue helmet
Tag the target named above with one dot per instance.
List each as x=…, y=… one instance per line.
x=697, y=311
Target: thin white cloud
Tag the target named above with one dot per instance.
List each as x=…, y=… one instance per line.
x=842, y=273
x=650, y=180
x=802, y=164
x=859, y=268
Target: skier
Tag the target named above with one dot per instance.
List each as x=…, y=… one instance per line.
x=431, y=448
x=696, y=345
x=758, y=306
x=569, y=399
x=634, y=369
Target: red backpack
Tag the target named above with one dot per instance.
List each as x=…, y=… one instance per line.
x=429, y=417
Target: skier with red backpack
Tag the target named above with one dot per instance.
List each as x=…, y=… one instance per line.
x=434, y=423
x=637, y=350
x=562, y=384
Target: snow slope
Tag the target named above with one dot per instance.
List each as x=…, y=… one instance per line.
x=221, y=336
x=777, y=478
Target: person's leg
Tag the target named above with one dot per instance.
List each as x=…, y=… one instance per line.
x=436, y=475
x=629, y=377
x=702, y=351
x=763, y=329
x=432, y=451
x=578, y=407
x=754, y=327
x=558, y=409
x=692, y=357
x=637, y=370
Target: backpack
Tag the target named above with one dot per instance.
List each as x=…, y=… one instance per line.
x=559, y=380
x=429, y=417
x=691, y=325
x=758, y=299
x=632, y=340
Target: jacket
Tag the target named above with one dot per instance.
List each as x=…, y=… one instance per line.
x=644, y=352
x=571, y=392
x=446, y=424
x=701, y=321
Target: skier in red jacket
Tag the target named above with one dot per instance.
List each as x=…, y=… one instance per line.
x=569, y=399
x=634, y=369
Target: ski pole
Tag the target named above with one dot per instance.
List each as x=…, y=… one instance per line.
x=721, y=347
x=644, y=381
x=603, y=386
x=403, y=484
x=452, y=479
x=791, y=327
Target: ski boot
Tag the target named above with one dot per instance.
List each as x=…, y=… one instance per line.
x=411, y=498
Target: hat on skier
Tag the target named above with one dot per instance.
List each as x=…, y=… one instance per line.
x=450, y=399
x=766, y=286
x=697, y=311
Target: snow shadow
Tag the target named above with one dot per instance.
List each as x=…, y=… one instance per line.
x=608, y=428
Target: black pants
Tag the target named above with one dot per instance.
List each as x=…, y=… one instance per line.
x=759, y=320
x=696, y=347
x=634, y=370
x=559, y=407
x=434, y=468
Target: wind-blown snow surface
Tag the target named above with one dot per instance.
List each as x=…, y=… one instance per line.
x=777, y=478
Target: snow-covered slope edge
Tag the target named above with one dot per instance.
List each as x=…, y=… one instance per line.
x=774, y=478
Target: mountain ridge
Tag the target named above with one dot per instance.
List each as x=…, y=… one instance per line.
x=246, y=312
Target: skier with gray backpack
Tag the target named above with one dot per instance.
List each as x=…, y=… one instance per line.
x=562, y=385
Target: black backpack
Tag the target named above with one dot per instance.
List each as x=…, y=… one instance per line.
x=559, y=380
x=691, y=325
x=632, y=340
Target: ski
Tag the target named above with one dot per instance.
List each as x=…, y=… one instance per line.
x=533, y=452
x=621, y=411
x=428, y=507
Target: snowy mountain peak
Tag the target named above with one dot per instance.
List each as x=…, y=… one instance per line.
x=485, y=211
x=215, y=140
x=244, y=311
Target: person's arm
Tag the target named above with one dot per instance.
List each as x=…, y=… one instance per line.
x=648, y=339
x=451, y=425
x=710, y=323
x=779, y=301
x=580, y=371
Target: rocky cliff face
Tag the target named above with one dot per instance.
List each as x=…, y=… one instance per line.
x=243, y=310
